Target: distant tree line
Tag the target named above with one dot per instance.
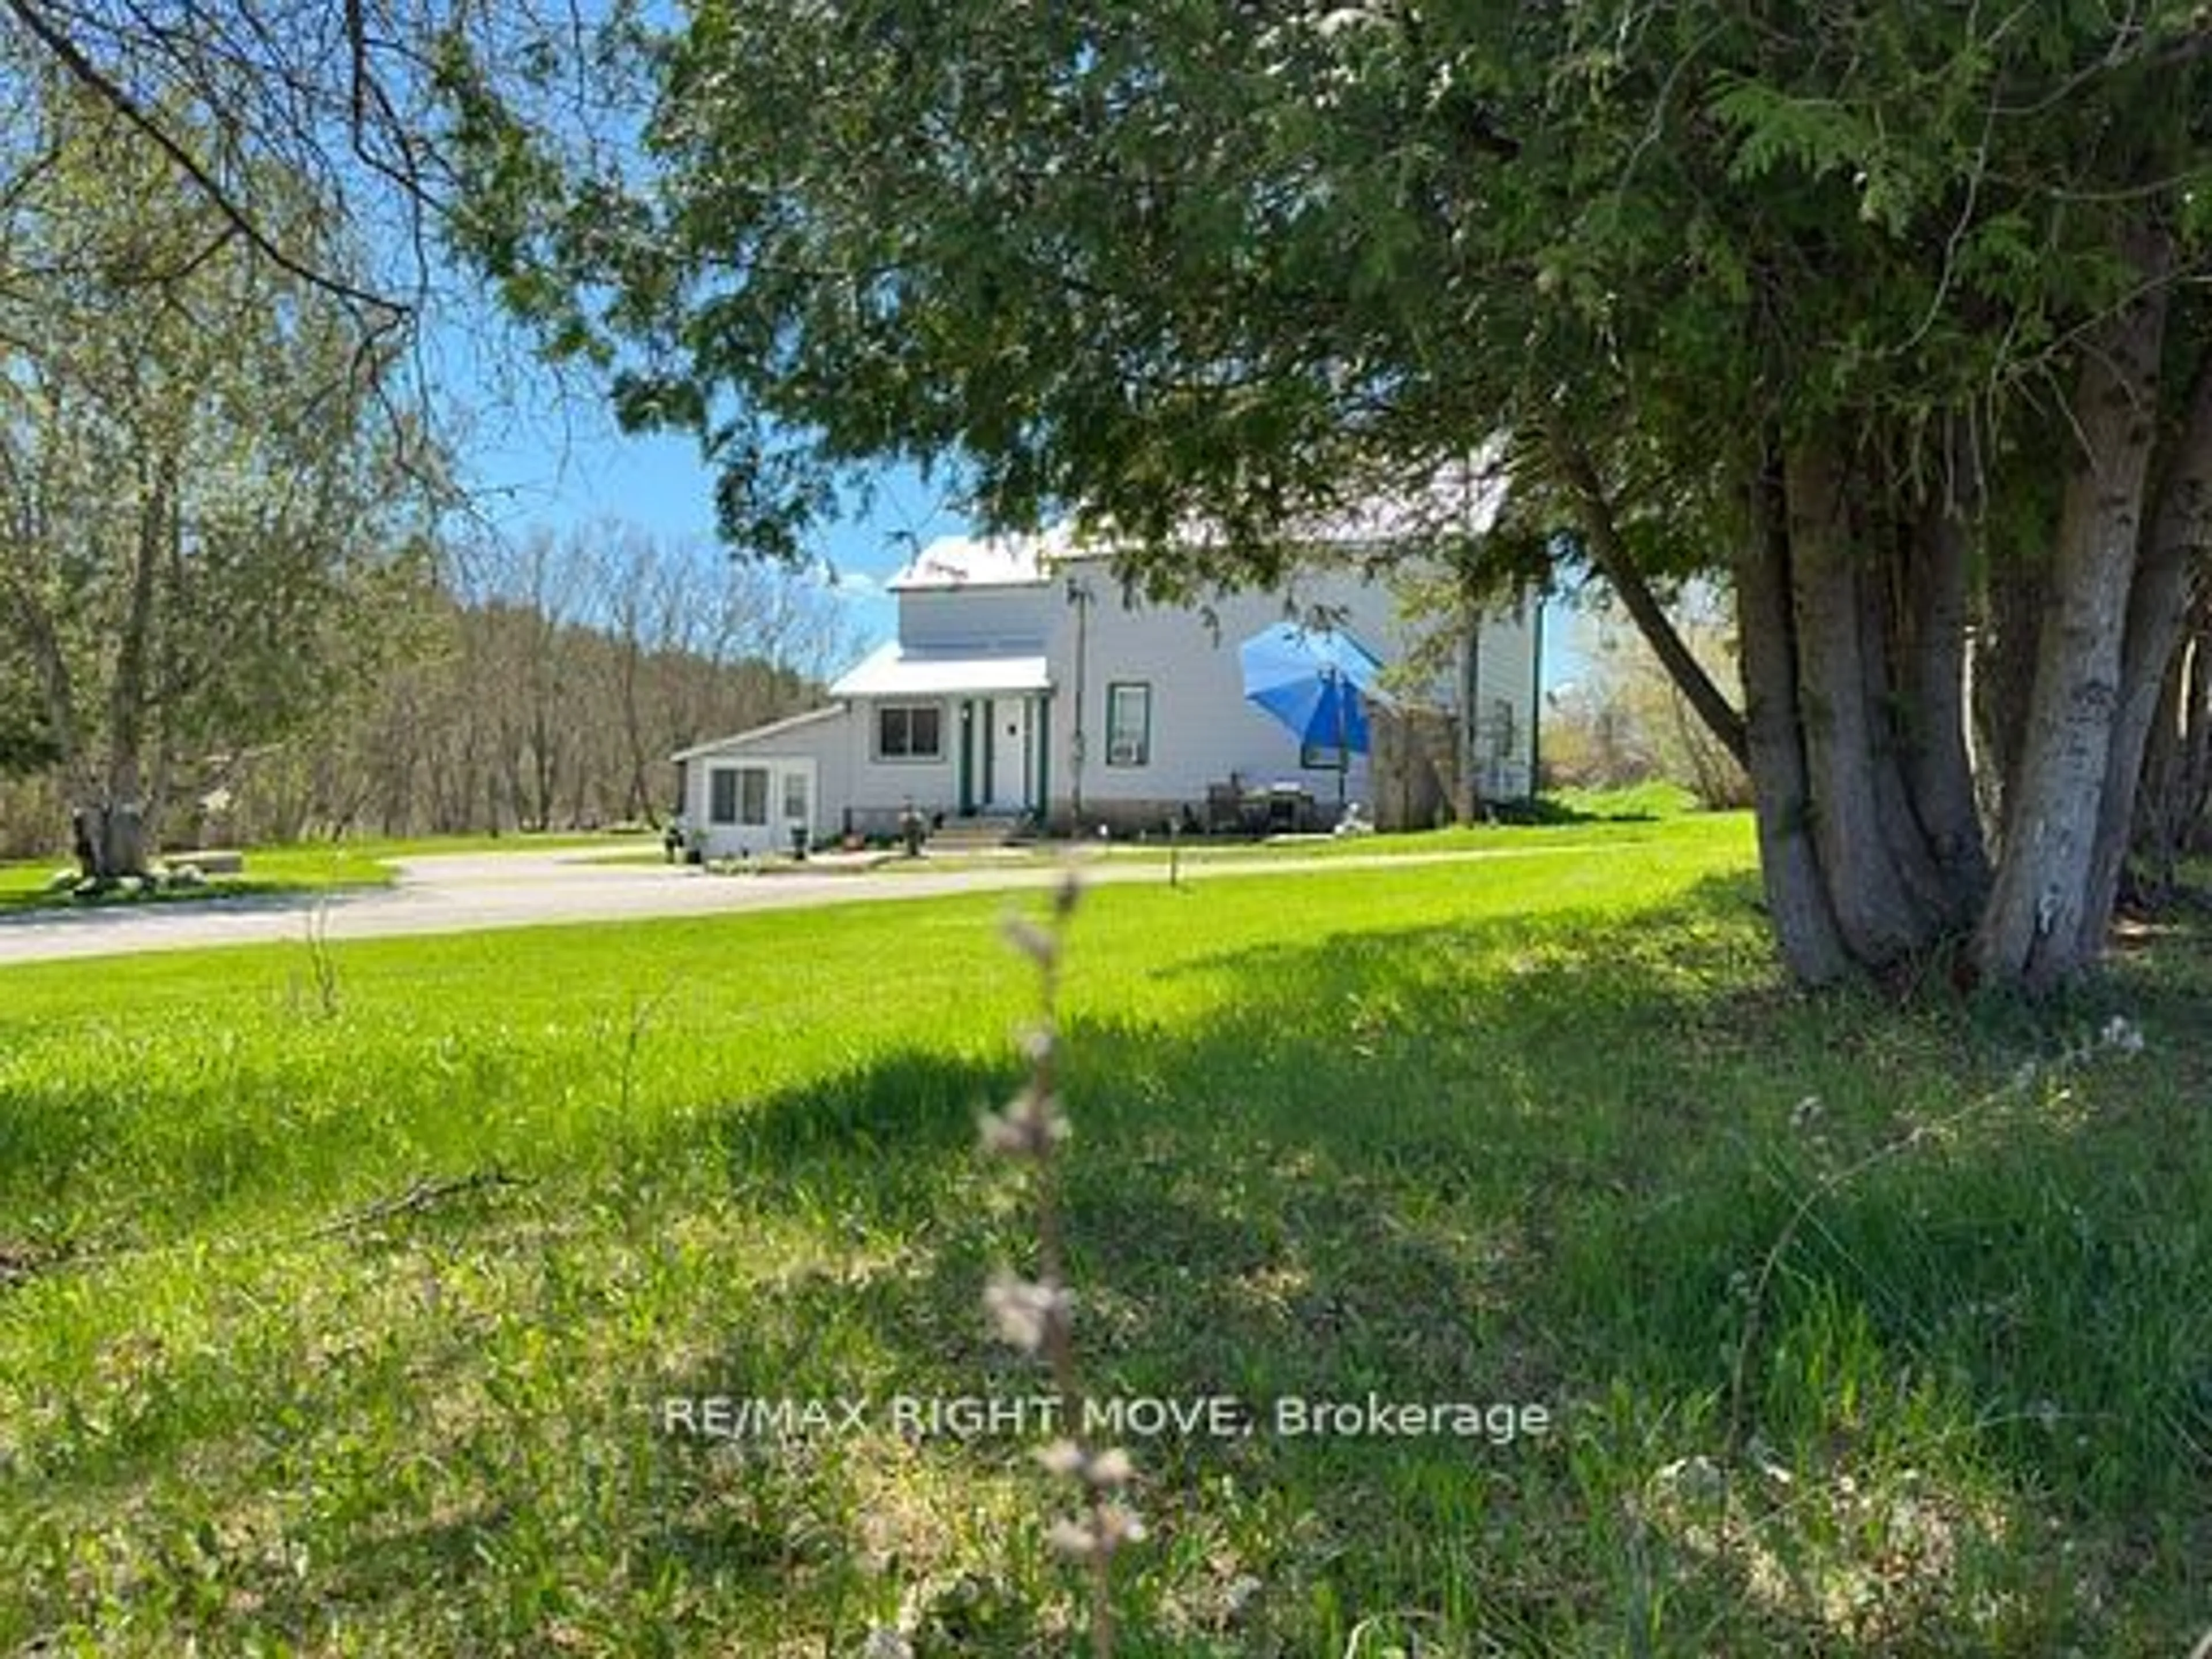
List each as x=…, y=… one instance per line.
x=538, y=684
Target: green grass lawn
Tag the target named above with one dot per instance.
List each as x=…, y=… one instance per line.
x=342, y=1313
x=1571, y=818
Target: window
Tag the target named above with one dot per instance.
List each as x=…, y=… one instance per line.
x=1128, y=724
x=737, y=794
x=752, y=795
x=794, y=797
x=909, y=732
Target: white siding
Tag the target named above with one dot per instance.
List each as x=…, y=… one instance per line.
x=820, y=749
x=1202, y=730
x=881, y=789
x=980, y=618
x=1505, y=706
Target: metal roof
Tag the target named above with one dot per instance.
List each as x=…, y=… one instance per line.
x=964, y=562
x=744, y=739
x=896, y=671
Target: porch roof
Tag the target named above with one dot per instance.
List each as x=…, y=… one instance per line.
x=755, y=734
x=898, y=670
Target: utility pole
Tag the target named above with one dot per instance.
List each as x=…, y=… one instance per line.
x=1469, y=792
x=1080, y=596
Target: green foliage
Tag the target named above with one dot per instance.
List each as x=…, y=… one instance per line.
x=1815, y=138
x=27, y=739
x=212, y=514
x=1204, y=263
x=1062, y=253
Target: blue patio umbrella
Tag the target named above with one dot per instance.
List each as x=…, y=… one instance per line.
x=1316, y=681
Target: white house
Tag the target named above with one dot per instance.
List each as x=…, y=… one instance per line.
x=1022, y=687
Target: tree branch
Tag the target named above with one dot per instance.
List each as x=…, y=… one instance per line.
x=1571, y=464
x=80, y=66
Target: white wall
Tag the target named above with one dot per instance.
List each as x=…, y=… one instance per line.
x=820, y=748
x=1203, y=730
x=880, y=789
x=1505, y=705
x=980, y=618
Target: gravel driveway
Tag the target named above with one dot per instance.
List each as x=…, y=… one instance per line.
x=459, y=893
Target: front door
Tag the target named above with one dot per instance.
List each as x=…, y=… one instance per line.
x=795, y=808
x=1006, y=781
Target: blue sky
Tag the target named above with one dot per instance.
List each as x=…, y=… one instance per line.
x=562, y=464
x=568, y=468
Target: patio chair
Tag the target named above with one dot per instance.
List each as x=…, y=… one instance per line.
x=1224, y=808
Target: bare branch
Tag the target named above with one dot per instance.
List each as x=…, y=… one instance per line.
x=385, y=313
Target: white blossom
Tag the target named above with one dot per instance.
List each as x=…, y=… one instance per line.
x=1032, y=1125
x=1063, y=1457
x=1098, y=1534
x=1025, y=1313
x=1102, y=1471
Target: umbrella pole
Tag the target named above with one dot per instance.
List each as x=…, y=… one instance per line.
x=1343, y=743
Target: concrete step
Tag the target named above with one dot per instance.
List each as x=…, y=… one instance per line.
x=961, y=835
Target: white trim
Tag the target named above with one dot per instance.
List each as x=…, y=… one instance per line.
x=776, y=729
x=896, y=673
x=1126, y=750
x=909, y=707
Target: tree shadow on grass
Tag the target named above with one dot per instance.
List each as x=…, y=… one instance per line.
x=1548, y=811
x=1559, y=1163
x=1512, y=1162
x=55, y=911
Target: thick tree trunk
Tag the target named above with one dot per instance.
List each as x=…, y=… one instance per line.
x=1939, y=769
x=111, y=810
x=2177, y=781
x=2036, y=929
x=1879, y=898
x=1789, y=862
x=2179, y=544
x=2014, y=590
x=1601, y=537
x=1944, y=904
